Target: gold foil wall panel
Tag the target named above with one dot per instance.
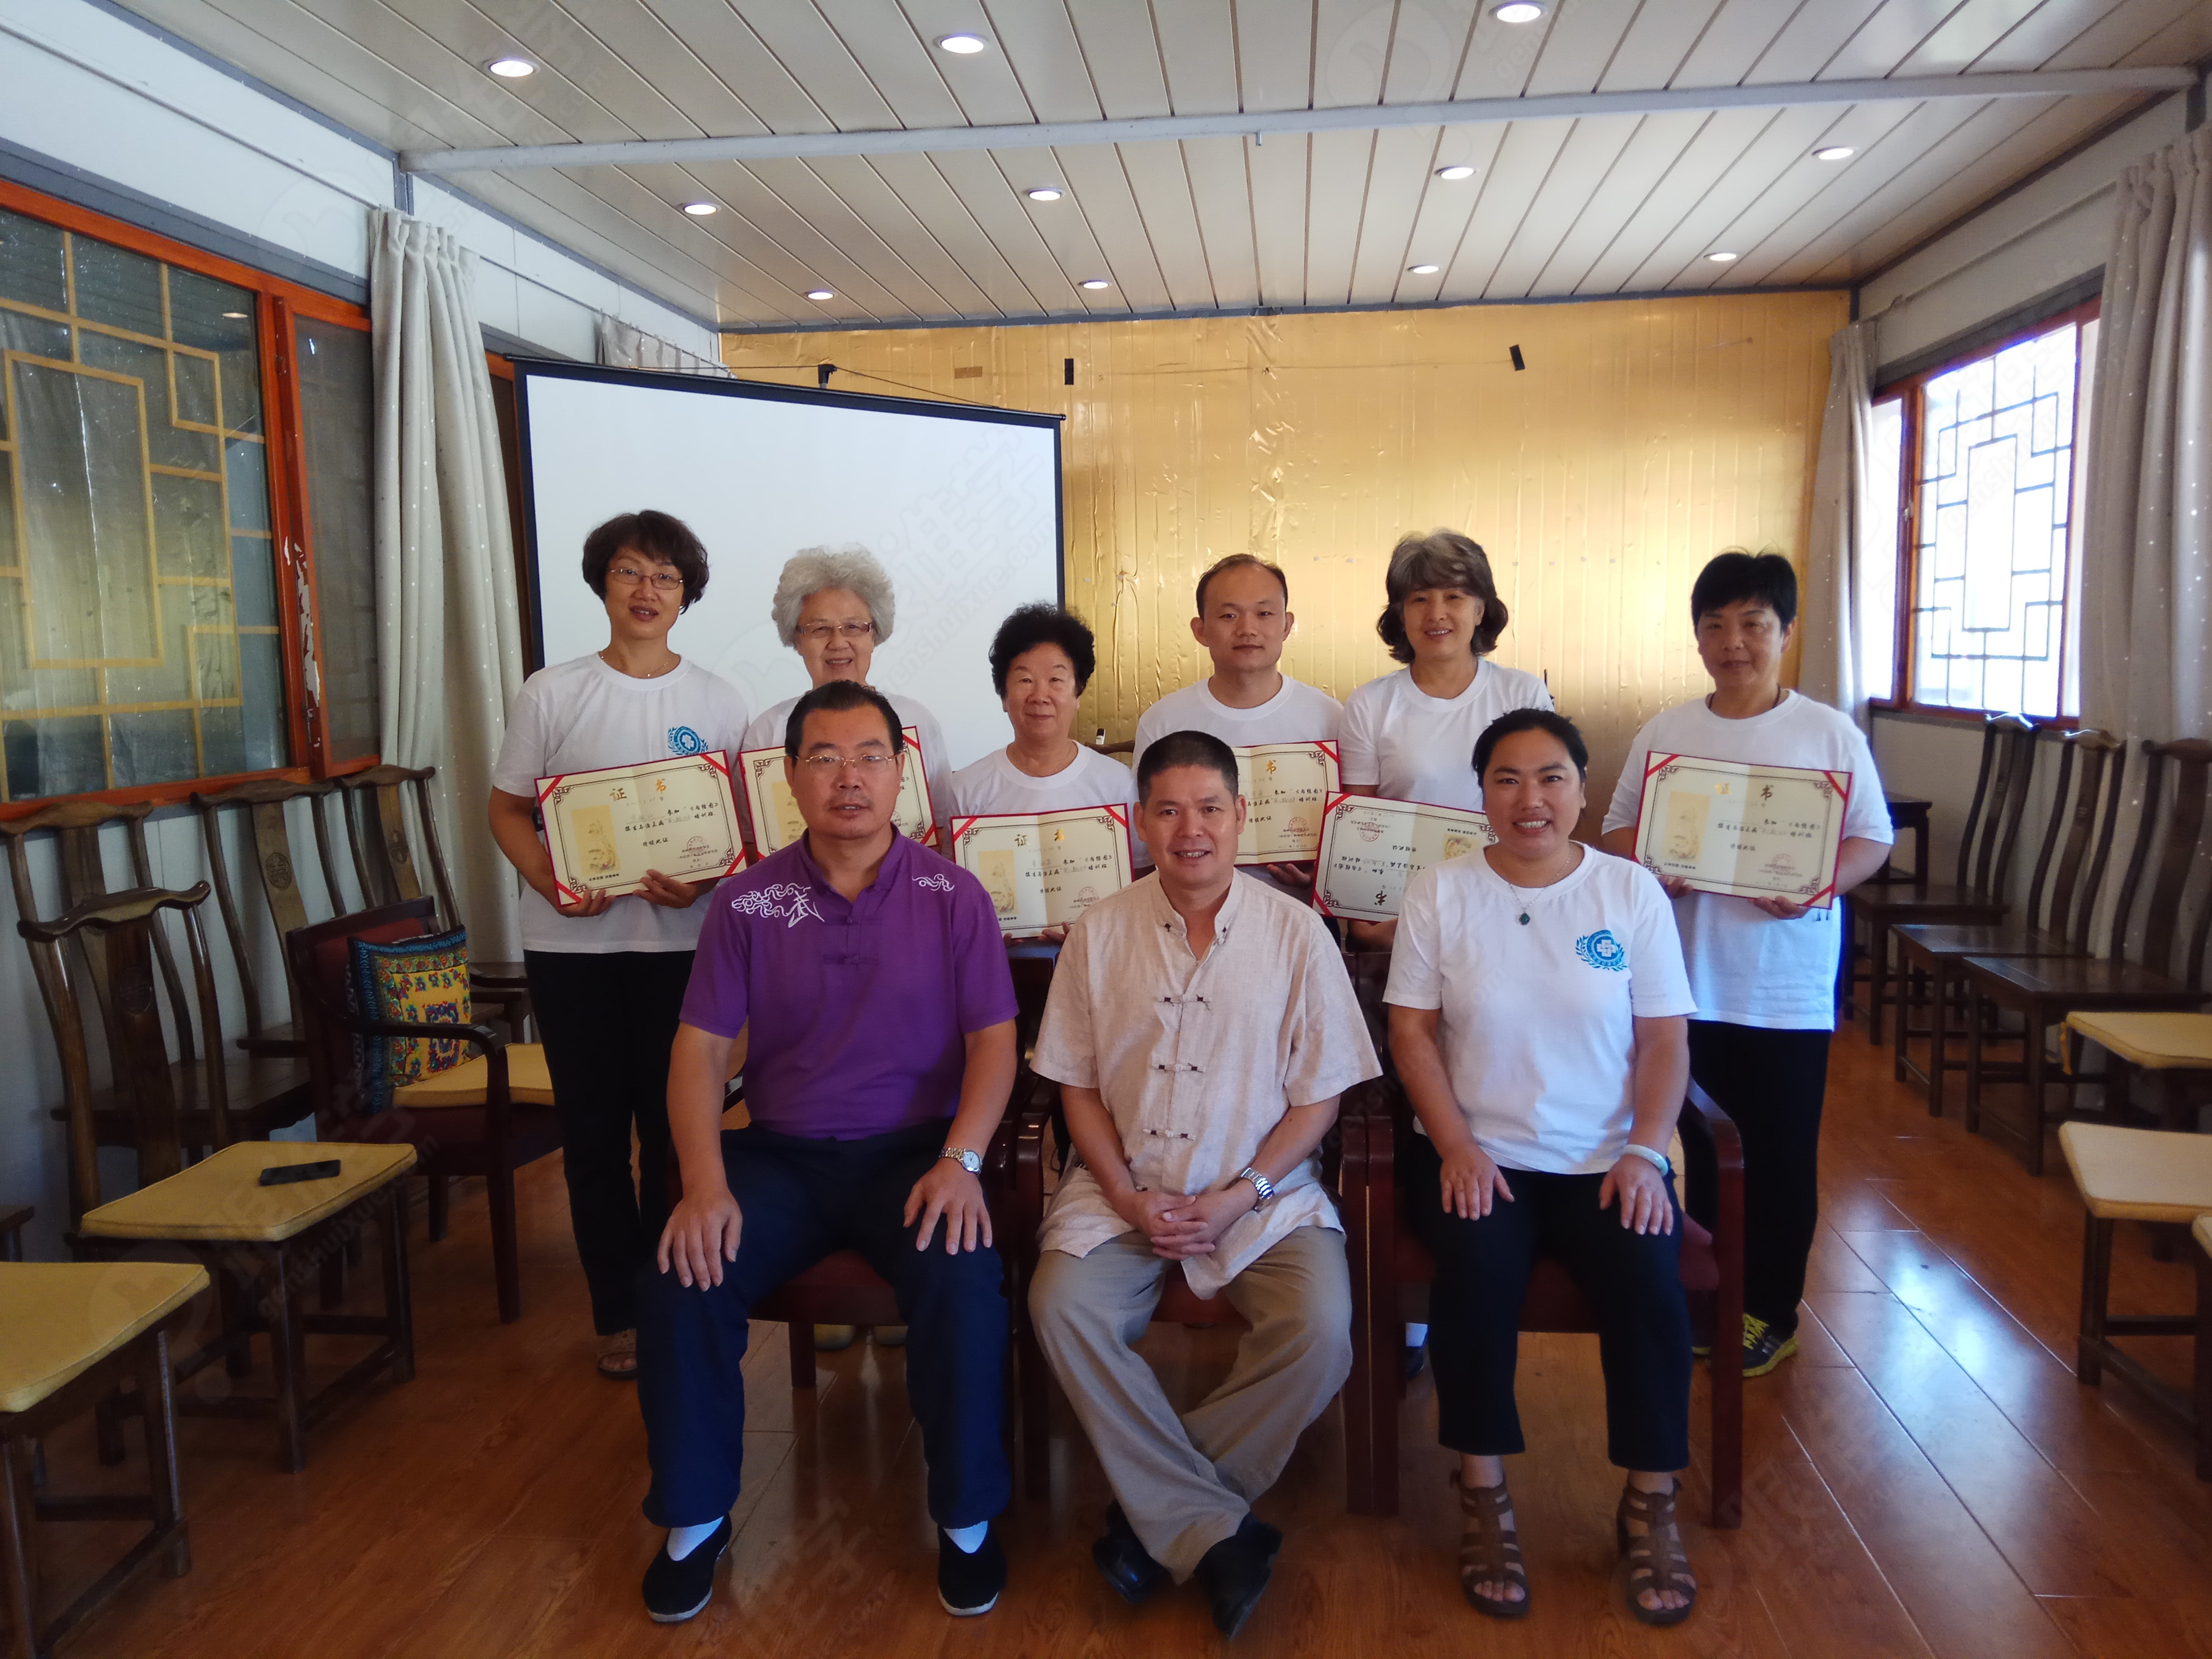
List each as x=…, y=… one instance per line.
x=1642, y=437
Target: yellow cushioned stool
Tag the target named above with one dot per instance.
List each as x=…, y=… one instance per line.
x=71, y=1332
x=271, y=1239
x=2161, y=1176
x=528, y=1082
x=2157, y=1042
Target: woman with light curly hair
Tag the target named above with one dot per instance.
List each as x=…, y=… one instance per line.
x=834, y=606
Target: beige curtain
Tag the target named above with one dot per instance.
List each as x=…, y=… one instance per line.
x=1831, y=610
x=621, y=346
x=448, y=637
x=2146, y=552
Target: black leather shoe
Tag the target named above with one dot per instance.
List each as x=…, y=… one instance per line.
x=968, y=1584
x=1234, y=1573
x=1417, y=1360
x=674, y=1590
x=1120, y=1555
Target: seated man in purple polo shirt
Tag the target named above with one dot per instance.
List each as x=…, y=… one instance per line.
x=881, y=1057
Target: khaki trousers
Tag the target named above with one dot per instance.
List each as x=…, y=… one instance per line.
x=1187, y=1481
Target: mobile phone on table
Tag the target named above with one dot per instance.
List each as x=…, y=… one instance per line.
x=279, y=1175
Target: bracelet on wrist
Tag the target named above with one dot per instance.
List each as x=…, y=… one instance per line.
x=1657, y=1160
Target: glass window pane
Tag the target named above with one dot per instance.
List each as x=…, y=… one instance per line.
x=337, y=406
x=32, y=268
x=117, y=287
x=217, y=317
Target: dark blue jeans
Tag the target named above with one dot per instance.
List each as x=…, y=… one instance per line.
x=803, y=1199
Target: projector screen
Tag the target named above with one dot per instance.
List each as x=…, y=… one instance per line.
x=960, y=504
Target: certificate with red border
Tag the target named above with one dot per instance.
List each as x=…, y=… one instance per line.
x=773, y=810
x=1745, y=830
x=605, y=827
x=1286, y=787
x=1045, y=869
x=1371, y=847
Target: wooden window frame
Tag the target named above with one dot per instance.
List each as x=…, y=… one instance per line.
x=1912, y=390
x=278, y=306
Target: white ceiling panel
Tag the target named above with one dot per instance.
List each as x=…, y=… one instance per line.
x=1628, y=200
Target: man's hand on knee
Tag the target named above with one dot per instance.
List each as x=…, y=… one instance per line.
x=950, y=1192
x=701, y=1234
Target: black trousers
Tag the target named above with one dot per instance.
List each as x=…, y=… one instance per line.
x=802, y=1200
x=1773, y=1085
x=608, y=1023
x=1633, y=1280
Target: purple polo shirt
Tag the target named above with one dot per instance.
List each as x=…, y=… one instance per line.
x=859, y=1009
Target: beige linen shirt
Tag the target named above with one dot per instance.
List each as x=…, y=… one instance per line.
x=1198, y=1061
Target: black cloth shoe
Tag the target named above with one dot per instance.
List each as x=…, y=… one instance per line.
x=674, y=1590
x=969, y=1585
x=1234, y=1573
x=1417, y=1360
x=1122, y=1556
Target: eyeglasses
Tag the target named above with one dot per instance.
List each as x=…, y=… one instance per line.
x=820, y=632
x=661, y=581
x=869, y=766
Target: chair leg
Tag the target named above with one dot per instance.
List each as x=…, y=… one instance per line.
x=2204, y=1368
x=1974, y=1035
x=506, y=1252
x=1877, y=977
x=2032, y=1053
x=157, y=1390
x=19, y=1573
x=801, y=1336
x=287, y=1346
x=439, y=1207
x=2096, y=1287
x=231, y=1305
x=399, y=1295
x=1036, y=1384
x=1902, y=1042
x=1359, y=1397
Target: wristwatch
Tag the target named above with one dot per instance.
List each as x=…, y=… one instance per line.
x=1261, y=1185
x=971, y=1162
x=1656, y=1160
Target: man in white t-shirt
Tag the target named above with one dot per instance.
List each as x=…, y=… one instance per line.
x=1762, y=970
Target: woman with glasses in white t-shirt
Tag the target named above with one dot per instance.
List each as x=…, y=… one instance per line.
x=607, y=975
x=1539, y=1022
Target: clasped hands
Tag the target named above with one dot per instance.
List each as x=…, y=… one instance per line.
x=1181, y=1225
x=663, y=890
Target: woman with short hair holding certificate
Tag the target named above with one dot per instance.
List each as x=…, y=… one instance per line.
x=607, y=974
x=1041, y=659
x=1763, y=969
x=1537, y=1007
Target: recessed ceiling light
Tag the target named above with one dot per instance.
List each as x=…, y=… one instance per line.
x=1044, y=193
x=820, y=293
x=1457, y=171
x=511, y=68
x=1094, y=283
x=699, y=209
x=1424, y=270
x=1723, y=258
x=1517, y=11
x=1834, y=153
x=966, y=46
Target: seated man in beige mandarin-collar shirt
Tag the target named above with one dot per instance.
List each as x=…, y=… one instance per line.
x=1202, y=1027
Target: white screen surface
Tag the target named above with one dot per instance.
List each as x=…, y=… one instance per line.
x=963, y=514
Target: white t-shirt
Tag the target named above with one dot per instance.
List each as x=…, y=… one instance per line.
x=1746, y=968
x=767, y=732
x=1296, y=713
x=1412, y=746
x=580, y=714
x=995, y=784
x=1537, y=1028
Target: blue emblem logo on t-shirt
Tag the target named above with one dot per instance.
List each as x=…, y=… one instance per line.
x=683, y=740
x=1602, y=949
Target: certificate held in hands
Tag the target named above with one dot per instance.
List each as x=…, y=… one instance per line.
x=1747, y=831
x=605, y=827
x=1370, y=847
x=1045, y=869
x=1287, y=787
x=774, y=811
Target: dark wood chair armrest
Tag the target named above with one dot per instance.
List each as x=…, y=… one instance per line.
x=14, y=1218
x=498, y=1103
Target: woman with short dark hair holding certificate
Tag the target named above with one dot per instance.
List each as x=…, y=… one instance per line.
x=1041, y=659
x=1762, y=965
x=607, y=974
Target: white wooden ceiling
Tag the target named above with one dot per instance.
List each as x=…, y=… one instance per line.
x=1597, y=205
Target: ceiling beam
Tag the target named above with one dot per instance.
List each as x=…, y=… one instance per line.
x=1257, y=125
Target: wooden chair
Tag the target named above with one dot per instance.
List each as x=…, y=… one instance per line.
x=260, y=1241
x=488, y=1116
x=2044, y=990
x=264, y=802
x=1985, y=851
x=1393, y=1270
x=2163, y=1180
x=2055, y=920
x=71, y=1335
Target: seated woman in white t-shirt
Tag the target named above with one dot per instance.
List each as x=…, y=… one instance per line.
x=1041, y=659
x=1411, y=735
x=607, y=975
x=1538, y=1008
x=834, y=606
x=1762, y=970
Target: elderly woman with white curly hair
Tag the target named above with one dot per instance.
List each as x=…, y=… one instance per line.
x=834, y=606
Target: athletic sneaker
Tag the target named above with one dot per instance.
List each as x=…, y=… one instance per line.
x=674, y=1590
x=1764, y=1347
x=969, y=1585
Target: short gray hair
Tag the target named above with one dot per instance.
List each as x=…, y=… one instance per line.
x=812, y=569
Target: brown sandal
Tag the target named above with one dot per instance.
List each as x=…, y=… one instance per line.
x=1489, y=1550
x=1655, y=1561
x=617, y=1354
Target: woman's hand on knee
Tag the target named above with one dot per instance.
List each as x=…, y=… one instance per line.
x=1471, y=1182
x=701, y=1234
x=1642, y=1192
